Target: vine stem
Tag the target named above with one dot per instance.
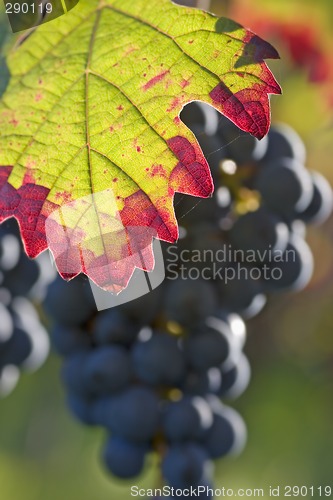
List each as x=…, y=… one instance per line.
x=203, y=4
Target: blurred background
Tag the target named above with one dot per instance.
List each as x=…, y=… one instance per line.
x=288, y=407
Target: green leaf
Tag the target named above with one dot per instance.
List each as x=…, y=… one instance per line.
x=91, y=144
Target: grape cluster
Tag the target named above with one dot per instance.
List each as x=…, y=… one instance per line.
x=152, y=382
x=24, y=342
x=156, y=372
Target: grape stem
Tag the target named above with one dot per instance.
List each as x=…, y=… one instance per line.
x=200, y=4
x=203, y=4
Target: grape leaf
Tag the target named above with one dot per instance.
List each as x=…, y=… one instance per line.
x=92, y=148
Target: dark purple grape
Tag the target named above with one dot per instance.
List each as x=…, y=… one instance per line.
x=112, y=326
x=187, y=419
x=17, y=348
x=320, y=207
x=159, y=360
x=189, y=301
x=207, y=346
x=107, y=369
x=186, y=465
x=70, y=303
x=123, y=458
x=285, y=186
x=68, y=340
x=284, y=142
x=227, y=435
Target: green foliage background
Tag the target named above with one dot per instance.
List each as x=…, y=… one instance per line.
x=45, y=454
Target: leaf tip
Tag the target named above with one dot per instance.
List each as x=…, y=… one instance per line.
x=262, y=49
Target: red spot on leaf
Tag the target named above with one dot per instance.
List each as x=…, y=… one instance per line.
x=115, y=179
x=138, y=149
x=175, y=103
x=158, y=171
x=184, y=83
x=155, y=80
x=38, y=97
x=129, y=51
x=168, y=83
x=120, y=108
x=63, y=197
x=30, y=163
x=14, y=122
